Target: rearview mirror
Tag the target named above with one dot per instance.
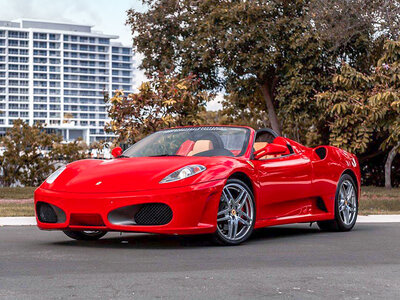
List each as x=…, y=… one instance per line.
x=116, y=152
x=270, y=149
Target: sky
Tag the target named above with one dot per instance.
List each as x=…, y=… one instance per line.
x=108, y=16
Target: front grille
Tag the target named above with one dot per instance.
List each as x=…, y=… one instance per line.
x=153, y=214
x=46, y=213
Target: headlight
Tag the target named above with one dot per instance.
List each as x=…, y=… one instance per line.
x=183, y=173
x=54, y=176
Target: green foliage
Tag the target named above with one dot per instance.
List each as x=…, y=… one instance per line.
x=165, y=101
x=30, y=154
x=362, y=108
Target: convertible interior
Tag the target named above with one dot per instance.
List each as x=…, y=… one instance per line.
x=212, y=145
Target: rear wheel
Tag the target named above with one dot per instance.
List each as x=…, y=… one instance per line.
x=346, y=206
x=88, y=235
x=236, y=213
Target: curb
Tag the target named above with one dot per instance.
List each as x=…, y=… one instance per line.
x=379, y=219
x=31, y=221
x=17, y=221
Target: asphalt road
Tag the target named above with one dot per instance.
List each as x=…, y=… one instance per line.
x=295, y=262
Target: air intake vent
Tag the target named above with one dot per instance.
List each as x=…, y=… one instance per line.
x=153, y=214
x=46, y=213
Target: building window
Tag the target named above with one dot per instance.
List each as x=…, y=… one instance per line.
x=104, y=41
x=53, y=36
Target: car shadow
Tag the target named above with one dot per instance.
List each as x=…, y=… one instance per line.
x=155, y=241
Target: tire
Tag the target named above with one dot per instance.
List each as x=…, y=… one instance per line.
x=85, y=235
x=236, y=214
x=345, y=204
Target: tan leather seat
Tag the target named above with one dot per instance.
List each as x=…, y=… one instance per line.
x=201, y=146
x=259, y=145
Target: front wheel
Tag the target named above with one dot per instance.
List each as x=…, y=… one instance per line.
x=346, y=207
x=88, y=235
x=236, y=213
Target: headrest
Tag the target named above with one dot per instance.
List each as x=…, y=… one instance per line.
x=201, y=146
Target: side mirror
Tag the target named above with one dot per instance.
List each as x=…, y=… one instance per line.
x=116, y=152
x=270, y=149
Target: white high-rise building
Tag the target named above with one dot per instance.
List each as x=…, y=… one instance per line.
x=57, y=74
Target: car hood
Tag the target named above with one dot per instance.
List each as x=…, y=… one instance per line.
x=134, y=174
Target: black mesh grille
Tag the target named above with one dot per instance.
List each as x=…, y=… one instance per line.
x=46, y=213
x=153, y=214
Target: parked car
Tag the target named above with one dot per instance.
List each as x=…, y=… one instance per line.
x=219, y=180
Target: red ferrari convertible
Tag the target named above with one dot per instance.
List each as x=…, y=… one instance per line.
x=219, y=180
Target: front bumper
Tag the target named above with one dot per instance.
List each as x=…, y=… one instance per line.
x=194, y=208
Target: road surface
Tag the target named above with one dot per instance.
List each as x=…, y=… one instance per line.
x=285, y=262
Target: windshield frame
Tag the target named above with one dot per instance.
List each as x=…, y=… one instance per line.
x=243, y=151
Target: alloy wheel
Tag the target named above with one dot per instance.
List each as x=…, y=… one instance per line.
x=236, y=212
x=347, y=202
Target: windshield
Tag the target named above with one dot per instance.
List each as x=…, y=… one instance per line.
x=193, y=141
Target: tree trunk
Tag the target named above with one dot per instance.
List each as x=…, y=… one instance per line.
x=267, y=91
x=388, y=166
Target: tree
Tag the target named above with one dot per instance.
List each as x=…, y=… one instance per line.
x=339, y=22
x=31, y=154
x=241, y=46
x=275, y=54
x=364, y=109
x=165, y=101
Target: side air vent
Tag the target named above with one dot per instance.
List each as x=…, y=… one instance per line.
x=321, y=152
x=321, y=204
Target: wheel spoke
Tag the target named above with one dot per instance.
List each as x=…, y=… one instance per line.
x=230, y=228
x=230, y=197
x=226, y=197
x=234, y=229
x=349, y=192
x=342, y=193
x=223, y=212
x=243, y=202
x=225, y=218
x=346, y=216
x=352, y=199
x=244, y=222
x=243, y=214
x=242, y=193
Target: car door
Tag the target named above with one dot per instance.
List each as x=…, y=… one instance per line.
x=285, y=185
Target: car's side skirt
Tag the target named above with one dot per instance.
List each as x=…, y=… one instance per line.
x=293, y=219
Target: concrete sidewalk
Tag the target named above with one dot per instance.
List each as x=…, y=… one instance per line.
x=20, y=221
